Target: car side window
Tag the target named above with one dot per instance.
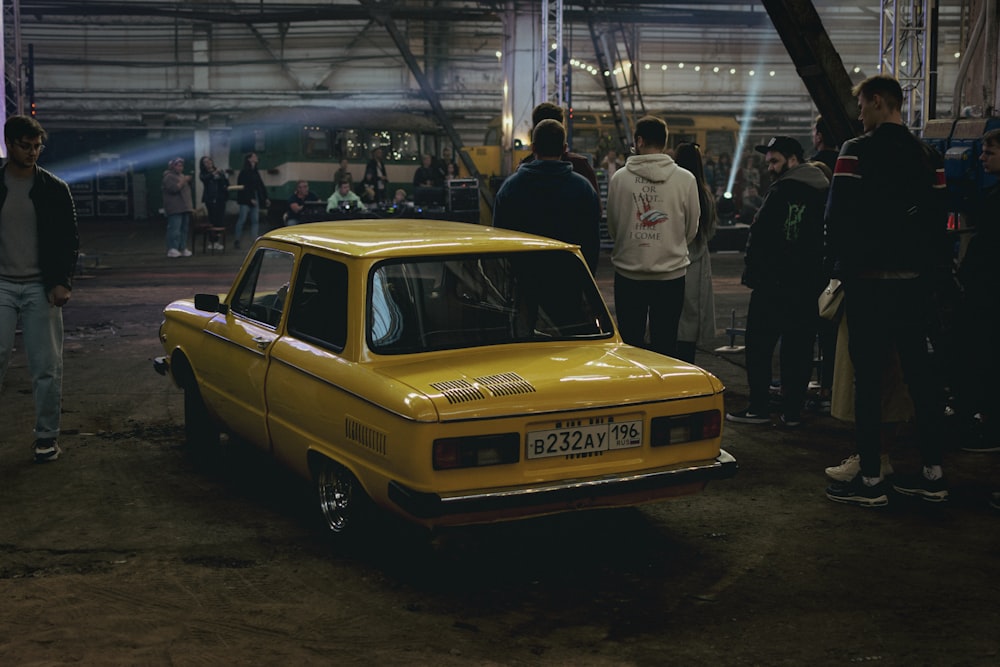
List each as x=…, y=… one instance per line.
x=263, y=292
x=319, y=303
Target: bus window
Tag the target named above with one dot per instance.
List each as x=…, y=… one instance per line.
x=585, y=140
x=316, y=143
x=380, y=139
x=718, y=142
x=405, y=147
x=678, y=138
x=353, y=145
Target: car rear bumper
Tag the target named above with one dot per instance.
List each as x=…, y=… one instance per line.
x=608, y=491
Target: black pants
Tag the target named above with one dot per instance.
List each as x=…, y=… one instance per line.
x=789, y=316
x=658, y=301
x=881, y=312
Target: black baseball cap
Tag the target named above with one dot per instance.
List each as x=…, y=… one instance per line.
x=782, y=144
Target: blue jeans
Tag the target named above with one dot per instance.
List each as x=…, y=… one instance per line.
x=177, y=230
x=42, y=338
x=253, y=212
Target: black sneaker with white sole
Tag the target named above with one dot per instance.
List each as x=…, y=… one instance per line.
x=748, y=417
x=856, y=492
x=46, y=449
x=933, y=491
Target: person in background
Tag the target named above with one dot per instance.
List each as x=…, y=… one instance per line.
x=546, y=197
x=827, y=149
x=427, y=174
x=887, y=231
x=722, y=170
x=376, y=178
x=297, y=203
x=653, y=214
x=215, y=192
x=39, y=244
x=177, y=205
x=446, y=165
x=343, y=196
x=581, y=165
x=611, y=163
x=827, y=331
x=979, y=274
x=343, y=173
x=752, y=201
x=697, y=324
x=711, y=174
x=784, y=271
x=252, y=196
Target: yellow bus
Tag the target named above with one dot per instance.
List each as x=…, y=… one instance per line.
x=594, y=134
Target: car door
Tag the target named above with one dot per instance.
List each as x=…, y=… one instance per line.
x=240, y=343
x=306, y=401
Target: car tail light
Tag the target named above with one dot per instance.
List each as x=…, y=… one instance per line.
x=476, y=451
x=686, y=428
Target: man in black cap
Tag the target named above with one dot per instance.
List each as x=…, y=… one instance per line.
x=784, y=270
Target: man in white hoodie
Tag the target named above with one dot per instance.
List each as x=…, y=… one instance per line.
x=653, y=213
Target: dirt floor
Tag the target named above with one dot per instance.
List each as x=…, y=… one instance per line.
x=130, y=551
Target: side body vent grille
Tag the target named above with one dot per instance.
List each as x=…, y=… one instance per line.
x=364, y=435
x=503, y=384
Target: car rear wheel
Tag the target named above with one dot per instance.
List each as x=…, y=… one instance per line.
x=200, y=430
x=344, y=504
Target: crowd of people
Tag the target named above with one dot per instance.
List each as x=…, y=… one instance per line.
x=867, y=221
x=864, y=223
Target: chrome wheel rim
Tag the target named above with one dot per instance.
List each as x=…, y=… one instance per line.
x=335, y=487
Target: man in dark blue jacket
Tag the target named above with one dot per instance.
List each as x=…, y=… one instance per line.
x=38, y=251
x=784, y=268
x=887, y=230
x=546, y=197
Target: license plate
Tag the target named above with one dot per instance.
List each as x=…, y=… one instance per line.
x=577, y=438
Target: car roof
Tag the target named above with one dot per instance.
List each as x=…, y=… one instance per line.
x=393, y=237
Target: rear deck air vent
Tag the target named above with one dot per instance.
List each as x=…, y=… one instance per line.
x=503, y=384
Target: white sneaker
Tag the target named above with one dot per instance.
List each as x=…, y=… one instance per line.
x=185, y=253
x=851, y=466
x=173, y=252
x=218, y=246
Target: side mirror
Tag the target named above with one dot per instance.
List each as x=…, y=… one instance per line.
x=210, y=303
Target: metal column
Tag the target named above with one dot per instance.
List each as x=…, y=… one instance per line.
x=13, y=66
x=552, y=34
x=905, y=36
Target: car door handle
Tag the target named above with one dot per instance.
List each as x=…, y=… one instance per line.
x=262, y=341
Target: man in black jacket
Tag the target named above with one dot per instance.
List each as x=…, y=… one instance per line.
x=978, y=362
x=887, y=229
x=784, y=269
x=546, y=197
x=39, y=243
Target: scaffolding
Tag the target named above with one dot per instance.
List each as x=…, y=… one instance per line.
x=907, y=31
x=13, y=65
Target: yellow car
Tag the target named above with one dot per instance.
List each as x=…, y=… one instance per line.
x=450, y=373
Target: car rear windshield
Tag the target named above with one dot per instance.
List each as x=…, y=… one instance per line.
x=428, y=303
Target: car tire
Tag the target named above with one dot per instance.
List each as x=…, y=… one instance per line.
x=343, y=503
x=200, y=430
